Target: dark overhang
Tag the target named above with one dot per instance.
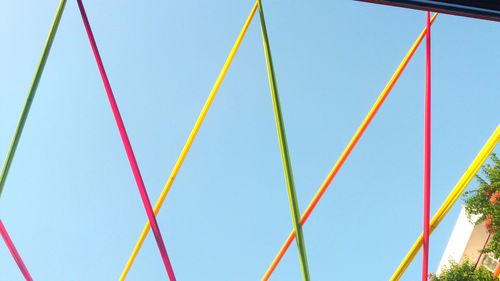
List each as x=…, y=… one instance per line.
x=482, y=9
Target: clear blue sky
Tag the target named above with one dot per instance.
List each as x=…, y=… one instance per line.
x=72, y=206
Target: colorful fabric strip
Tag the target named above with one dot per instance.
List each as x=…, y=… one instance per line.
x=15, y=254
x=31, y=95
x=427, y=151
x=128, y=147
x=285, y=156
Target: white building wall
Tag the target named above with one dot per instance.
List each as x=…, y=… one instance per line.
x=458, y=241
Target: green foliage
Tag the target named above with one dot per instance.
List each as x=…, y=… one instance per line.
x=463, y=272
x=484, y=201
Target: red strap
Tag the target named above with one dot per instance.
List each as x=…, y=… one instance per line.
x=427, y=152
x=128, y=147
x=13, y=251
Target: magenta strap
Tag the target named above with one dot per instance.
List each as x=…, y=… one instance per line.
x=13, y=251
x=128, y=147
x=427, y=152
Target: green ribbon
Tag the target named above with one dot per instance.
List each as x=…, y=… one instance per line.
x=31, y=96
x=285, y=156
